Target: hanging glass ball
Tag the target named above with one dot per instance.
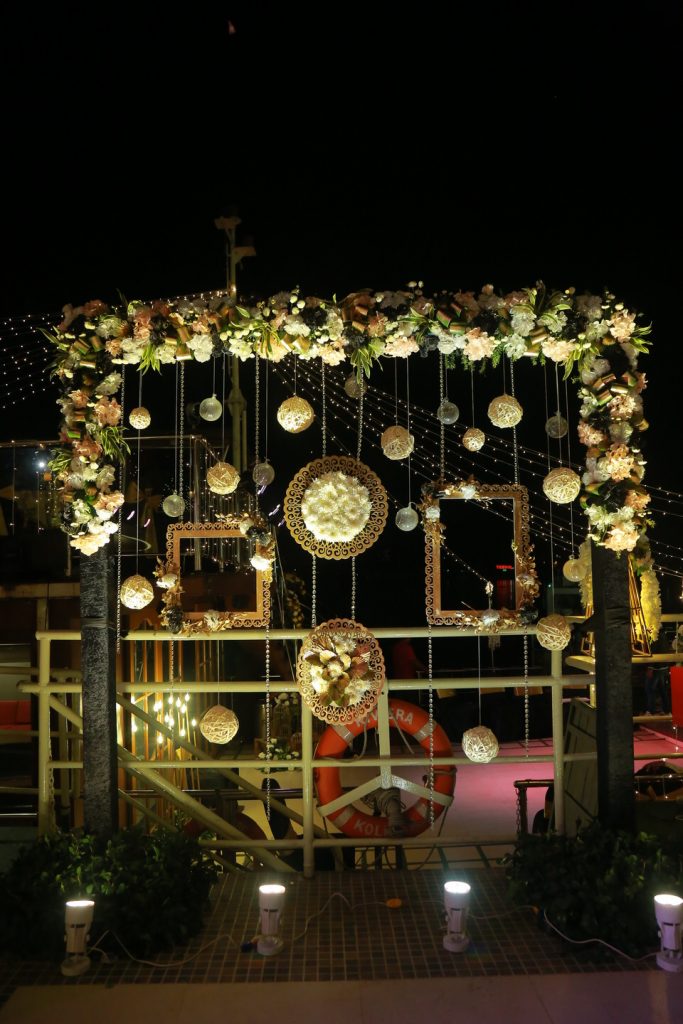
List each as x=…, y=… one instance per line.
x=173, y=505
x=562, y=485
x=489, y=617
x=139, y=418
x=505, y=411
x=263, y=474
x=211, y=409
x=136, y=592
x=556, y=426
x=553, y=632
x=574, y=570
x=295, y=414
x=219, y=724
x=473, y=439
x=480, y=744
x=447, y=413
x=222, y=478
x=407, y=519
x=397, y=443
x=353, y=387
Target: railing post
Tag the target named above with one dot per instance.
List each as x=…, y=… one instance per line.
x=307, y=788
x=45, y=809
x=558, y=739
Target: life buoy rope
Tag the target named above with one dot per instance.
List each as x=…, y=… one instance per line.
x=337, y=738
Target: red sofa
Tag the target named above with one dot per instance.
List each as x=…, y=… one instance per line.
x=15, y=715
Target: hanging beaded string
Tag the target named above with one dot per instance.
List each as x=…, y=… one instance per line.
x=430, y=670
x=324, y=401
x=550, y=504
x=119, y=554
x=359, y=447
x=296, y=367
x=408, y=427
x=472, y=389
x=569, y=462
x=170, y=720
x=138, y=510
x=557, y=399
x=479, y=669
x=182, y=432
x=396, y=390
x=314, y=591
x=525, y=644
x=442, y=427
x=269, y=753
x=265, y=419
x=257, y=410
x=175, y=432
x=223, y=414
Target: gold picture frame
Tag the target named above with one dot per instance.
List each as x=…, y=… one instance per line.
x=526, y=582
x=215, y=621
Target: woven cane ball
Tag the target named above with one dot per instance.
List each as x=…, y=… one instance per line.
x=219, y=724
x=553, y=632
x=295, y=414
x=136, y=592
x=505, y=411
x=397, y=443
x=562, y=485
x=222, y=478
x=480, y=744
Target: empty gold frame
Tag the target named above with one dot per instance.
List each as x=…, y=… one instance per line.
x=250, y=602
x=526, y=583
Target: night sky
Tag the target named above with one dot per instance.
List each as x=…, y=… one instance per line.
x=362, y=146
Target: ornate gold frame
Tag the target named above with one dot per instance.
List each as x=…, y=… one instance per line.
x=335, y=549
x=526, y=581
x=333, y=714
x=194, y=622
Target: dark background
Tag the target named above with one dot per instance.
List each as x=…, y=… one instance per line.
x=362, y=145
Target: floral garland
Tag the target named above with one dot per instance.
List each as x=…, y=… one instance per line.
x=597, y=335
x=340, y=668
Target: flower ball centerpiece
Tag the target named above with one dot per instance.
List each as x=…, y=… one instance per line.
x=480, y=744
x=139, y=418
x=219, y=724
x=505, y=411
x=553, y=632
x=397, y=443
x=336, y=507
x=136, y=592
x=295, y=415
x=562, y=485
x=222, y=478
x=473, y=439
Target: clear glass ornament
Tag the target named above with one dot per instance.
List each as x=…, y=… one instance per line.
x=574, y=570
x=211, y=409
x=173, y=506
x=407, y=518
x=556, y=426
x=353, y=387
x=263, y=474
x=447, y=413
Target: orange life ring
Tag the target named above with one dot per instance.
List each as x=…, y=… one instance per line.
x=336, y=738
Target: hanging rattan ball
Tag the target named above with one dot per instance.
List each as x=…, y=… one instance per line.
x=136, y=592
x=473, y=439
x=562, y=485
x=574, y=570
x=480, y=744
x=219, y=724
x=139, y=418
x=222, y=478
x=397, y=443
x=295, y=414
x=553, y=632
x=505, y=411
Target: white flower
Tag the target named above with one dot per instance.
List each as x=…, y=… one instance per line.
x=165, y=354
x=295, y=325
x=334, y=325
x=589, y=306
x=242, y=349
x=596, y=368
x=110, y=385
x=522, y=322
x=336, y=507
x=515, y=346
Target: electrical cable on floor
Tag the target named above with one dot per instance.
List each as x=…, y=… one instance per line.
x=391, y=904
x=152, y=963
x=586, y=942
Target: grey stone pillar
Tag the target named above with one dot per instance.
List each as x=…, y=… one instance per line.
x=98, y=665
x=616, y=802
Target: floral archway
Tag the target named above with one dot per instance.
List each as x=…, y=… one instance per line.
x=592, y=337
